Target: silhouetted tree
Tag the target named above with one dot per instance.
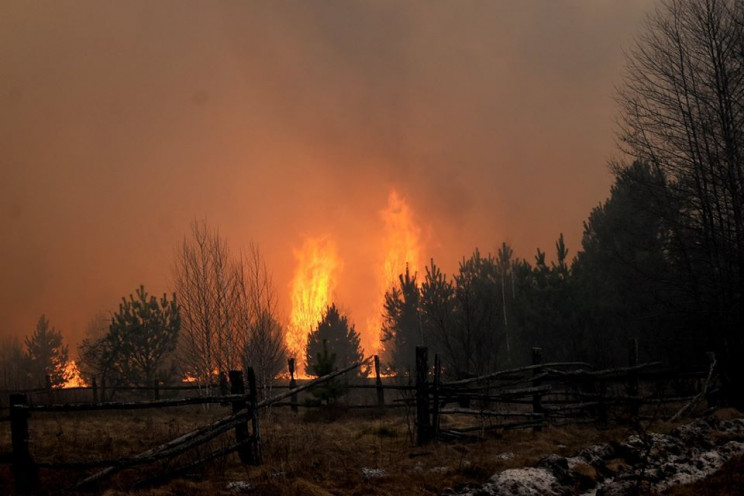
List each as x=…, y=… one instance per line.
x=324, y=364
x=438, y=317
x=682, y=108
x=13, y=364
x=46, y=355
x=624, y=279
x=93, y=358
x=208, y=288
x=479, y=330
x=402, y=328
x=342, y=340
x=263, y=336
x=142, y=336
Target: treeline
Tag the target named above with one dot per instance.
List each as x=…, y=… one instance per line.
x=662, y=259
x=496, y=307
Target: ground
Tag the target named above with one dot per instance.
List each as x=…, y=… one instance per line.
x=315, y=453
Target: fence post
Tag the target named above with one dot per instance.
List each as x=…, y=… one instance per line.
x=710, y=399
x=536, y=397
x=156, y=389
x=422, y=396
x=94, y=388
x=49, y=390
x=255, y=452
x=24, y=469
x=633, y=377
x=435, y=408
x=237, y=386
x=292, y=383
x=103, y=388
x=378, y=383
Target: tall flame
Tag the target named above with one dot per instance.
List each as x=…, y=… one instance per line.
x=312, y=289
x=401, y=247
x=73, y=376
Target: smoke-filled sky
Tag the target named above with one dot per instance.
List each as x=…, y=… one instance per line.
x=121, y=122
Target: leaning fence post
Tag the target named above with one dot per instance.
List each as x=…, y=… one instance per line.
x=536, y=397
x=255, y=452
x=422, y=396
x=633, y=390
x=710, y=399
x=378, y=384
x=292, y=383
x=24, y=469
x=237, y=386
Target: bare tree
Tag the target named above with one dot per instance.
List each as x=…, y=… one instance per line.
x=682, y=111
x=93, y=359
x=209, y=293
x=263, y=341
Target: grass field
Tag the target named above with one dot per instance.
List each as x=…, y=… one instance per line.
x=315, y=453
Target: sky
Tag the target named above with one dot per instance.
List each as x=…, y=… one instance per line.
x=275, y=121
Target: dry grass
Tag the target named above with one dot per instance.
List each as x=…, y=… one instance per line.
x=305, y=454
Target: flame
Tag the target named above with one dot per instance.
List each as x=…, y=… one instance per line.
x=401, y=247
x=312, y=288
x=73, y=374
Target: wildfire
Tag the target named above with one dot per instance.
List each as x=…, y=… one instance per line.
x=401, y=247
x=73, y=374
x=311, y=291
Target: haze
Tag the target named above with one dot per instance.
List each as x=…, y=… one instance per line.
x=122, y=122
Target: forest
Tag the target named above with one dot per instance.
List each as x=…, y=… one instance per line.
x=661, y=260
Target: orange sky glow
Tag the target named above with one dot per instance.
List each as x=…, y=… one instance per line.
x=366, y=134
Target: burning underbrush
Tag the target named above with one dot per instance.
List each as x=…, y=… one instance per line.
x=358, y=453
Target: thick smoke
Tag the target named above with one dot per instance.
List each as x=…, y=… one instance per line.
x=122, y=122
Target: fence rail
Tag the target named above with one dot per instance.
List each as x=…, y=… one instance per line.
x=524, y=397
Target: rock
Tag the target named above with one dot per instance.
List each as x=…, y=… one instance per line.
x=239, y=487
x=620, y=488
x=526, y=482
x=558, y=466
x=373, y=473
x=585, y=475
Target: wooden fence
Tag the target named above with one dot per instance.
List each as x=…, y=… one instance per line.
x=525, y=397
x=557, y=393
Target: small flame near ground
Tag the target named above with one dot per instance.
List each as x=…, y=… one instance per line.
x=311, y=292
x=73, y=376
x=401, y=246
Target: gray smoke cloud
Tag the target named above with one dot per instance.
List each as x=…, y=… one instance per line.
x=123, y=121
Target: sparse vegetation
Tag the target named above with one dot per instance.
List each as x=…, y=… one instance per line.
x=362, y=453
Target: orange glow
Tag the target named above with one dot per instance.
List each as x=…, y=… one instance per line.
x=311, y=291
x=401, y=246
x=73, y=374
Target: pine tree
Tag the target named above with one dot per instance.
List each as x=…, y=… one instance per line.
x=143, y=333
x=401, y=328
x=46, y=355
x=342, y=340
x=325, y=363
